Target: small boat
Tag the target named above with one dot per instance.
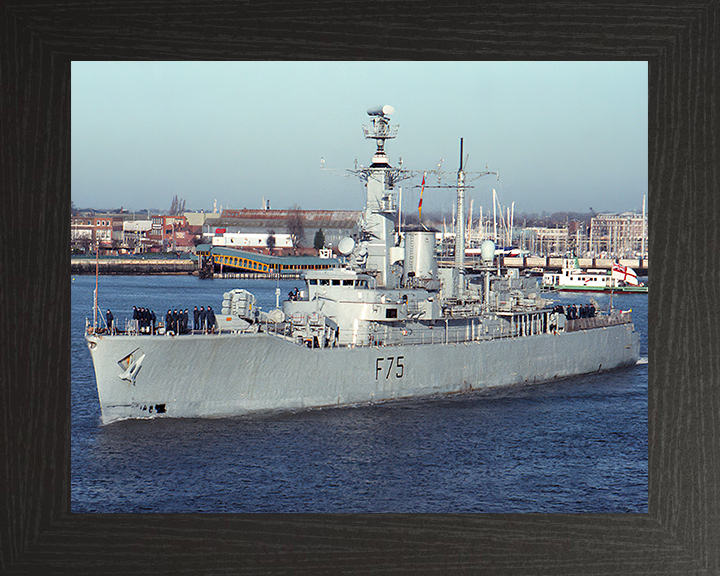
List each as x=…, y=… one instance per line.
x=572, y=278
x=533, y=272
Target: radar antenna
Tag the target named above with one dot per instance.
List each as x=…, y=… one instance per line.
x=380, y=130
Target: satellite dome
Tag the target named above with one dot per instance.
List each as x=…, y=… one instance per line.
x=346, y=245
x=487, y=251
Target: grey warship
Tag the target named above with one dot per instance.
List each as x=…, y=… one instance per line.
x=390, y=324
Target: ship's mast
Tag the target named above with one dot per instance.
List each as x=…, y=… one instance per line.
x=380, y=209
x=95, y=294
x=380, y=131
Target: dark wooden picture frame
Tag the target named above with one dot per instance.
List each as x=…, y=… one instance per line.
x=681, y=532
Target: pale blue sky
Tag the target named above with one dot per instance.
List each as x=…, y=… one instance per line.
x=563, y=136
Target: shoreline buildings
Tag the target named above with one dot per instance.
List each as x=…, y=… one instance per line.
x=608, y=235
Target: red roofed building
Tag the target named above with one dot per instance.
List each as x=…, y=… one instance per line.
x=171, y=234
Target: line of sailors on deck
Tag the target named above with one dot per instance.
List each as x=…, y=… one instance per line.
x=177, y=321
x=573, y=311
x=145, y=319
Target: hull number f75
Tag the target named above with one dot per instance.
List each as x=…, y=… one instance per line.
x=390, y=366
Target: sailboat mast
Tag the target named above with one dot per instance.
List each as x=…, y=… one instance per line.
x=460, y=233
x=512, y=221
x=495, y=236
x=642, y=241
x=507, y=227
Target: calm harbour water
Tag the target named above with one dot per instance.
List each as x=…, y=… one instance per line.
x=572, y=445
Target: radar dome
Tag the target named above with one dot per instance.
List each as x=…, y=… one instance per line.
x=346, y=245
x=487, y=251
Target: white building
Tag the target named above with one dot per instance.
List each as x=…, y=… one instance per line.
x=243, y=240
x=137, y=226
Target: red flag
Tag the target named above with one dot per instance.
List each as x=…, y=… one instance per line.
x=422, y=189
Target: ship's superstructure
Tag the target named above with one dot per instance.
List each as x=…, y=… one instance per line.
x=389, y=324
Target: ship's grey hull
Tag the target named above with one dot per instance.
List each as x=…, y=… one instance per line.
x=227, y=375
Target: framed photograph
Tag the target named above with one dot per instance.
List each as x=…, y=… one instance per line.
x=674, y=534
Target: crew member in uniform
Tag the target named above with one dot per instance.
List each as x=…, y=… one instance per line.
x=211, y=319
x=203, y=318
x=109, y=316
x=196, y=319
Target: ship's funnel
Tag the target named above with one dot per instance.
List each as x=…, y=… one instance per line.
x=420, y=253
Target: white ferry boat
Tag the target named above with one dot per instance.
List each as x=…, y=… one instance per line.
x=573, y=278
